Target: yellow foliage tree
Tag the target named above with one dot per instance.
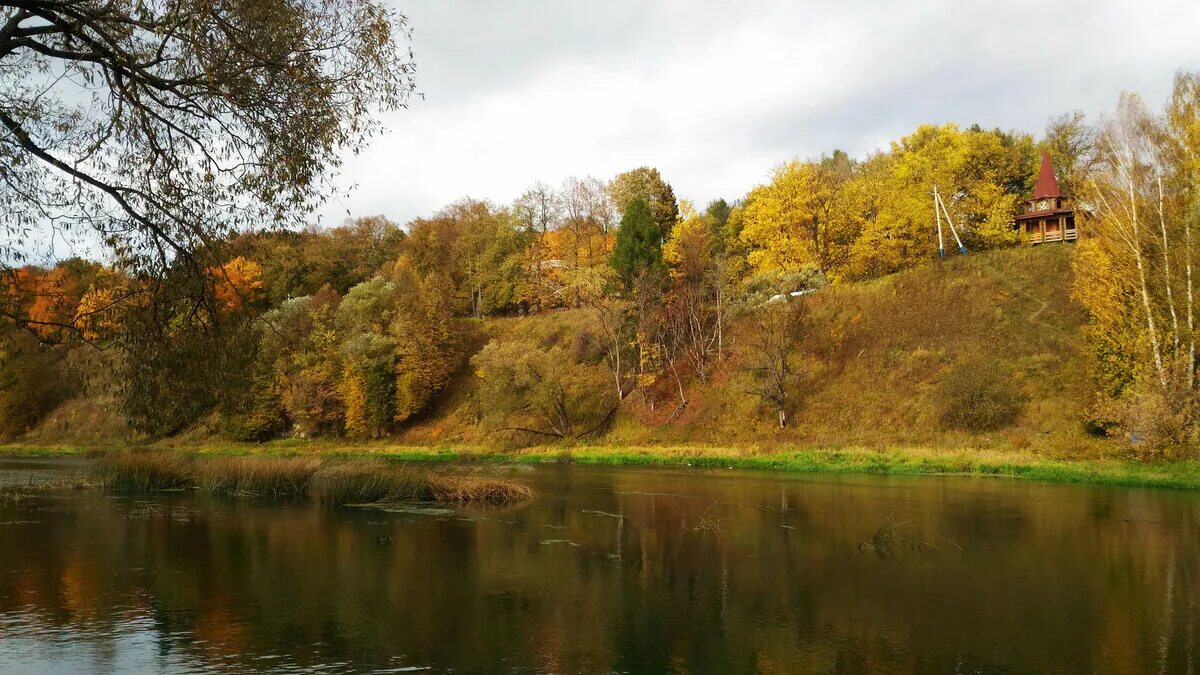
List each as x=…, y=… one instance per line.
x=980, y=174
x=687, y=244
x=1135, y=269
x=779, y=219
x=238, y=283
x=426, y=346
x=96, y=315
x=804, y=216
x=354, y=397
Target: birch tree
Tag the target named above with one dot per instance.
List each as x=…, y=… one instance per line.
x=1135, y=267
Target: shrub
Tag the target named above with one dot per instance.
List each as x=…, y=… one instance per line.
x=35, y=382
x=255, y=412
x=978, y=395
x=536, y=392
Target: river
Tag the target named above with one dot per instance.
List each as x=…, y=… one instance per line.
x=608, y=570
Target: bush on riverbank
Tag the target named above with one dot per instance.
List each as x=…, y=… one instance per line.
x=979, y=395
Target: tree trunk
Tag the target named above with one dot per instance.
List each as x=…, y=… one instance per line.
x=1191, y=314
x=1167, y=282
x=1136, y=247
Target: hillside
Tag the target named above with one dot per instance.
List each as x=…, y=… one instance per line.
x=875, y=356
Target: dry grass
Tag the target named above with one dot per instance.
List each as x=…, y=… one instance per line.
x=474, y=488
x=334, y=482
x=369, y=482
x=375, y=482
x=256, y=476
x=147, y=472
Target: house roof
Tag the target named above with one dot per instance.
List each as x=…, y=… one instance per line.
x=1047, y=184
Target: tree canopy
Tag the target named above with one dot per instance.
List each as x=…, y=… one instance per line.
x=161, y=127
x=646, y=183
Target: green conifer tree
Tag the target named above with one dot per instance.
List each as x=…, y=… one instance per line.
x=639, y=242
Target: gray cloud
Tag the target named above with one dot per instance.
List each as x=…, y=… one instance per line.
x=714, y=94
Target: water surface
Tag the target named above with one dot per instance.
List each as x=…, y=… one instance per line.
x=625, y=570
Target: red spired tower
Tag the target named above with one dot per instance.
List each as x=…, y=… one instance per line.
x=1049, y=215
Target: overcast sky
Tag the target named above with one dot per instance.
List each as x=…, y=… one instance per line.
x=715, y=94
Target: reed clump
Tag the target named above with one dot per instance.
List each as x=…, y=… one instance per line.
x=467, y=488
x=256, y=476
x=334, y=482
x=369, y=482
x=147, y=472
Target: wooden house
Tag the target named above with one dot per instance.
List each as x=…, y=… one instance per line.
x=1049, y=215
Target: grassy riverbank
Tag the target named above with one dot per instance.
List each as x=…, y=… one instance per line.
x=1180, y=474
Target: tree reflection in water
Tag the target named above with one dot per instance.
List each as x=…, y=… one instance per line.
x=612, y=570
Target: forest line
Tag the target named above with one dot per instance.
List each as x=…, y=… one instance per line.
x=354, y=330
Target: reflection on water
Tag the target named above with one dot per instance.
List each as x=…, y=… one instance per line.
x=628, y=570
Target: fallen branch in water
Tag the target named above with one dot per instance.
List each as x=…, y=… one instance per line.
x=707, y=524
x=890, y=538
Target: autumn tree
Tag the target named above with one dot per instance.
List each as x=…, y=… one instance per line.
x=298, y=263
x=537, y=211
x=612, y=314
x=982, y=175
x=310, y=372
x=159, y=128
x=698, y=297
x=773, y=332
x=587, y=219
x=251, y=406
x=647, y=184
x=368, y=356
x=176, y=366
x=584, y=237
x=779, y=218
x=530, y=390
x=1134, y=271
x=428, y=346
x=33, y=379
x=1071, y=143
x=237, y=283
x=800, y=216
x=477, y=251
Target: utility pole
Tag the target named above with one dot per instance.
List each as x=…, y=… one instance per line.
x=939, y=208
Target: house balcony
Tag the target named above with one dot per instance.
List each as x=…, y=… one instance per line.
x=1068, y=234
